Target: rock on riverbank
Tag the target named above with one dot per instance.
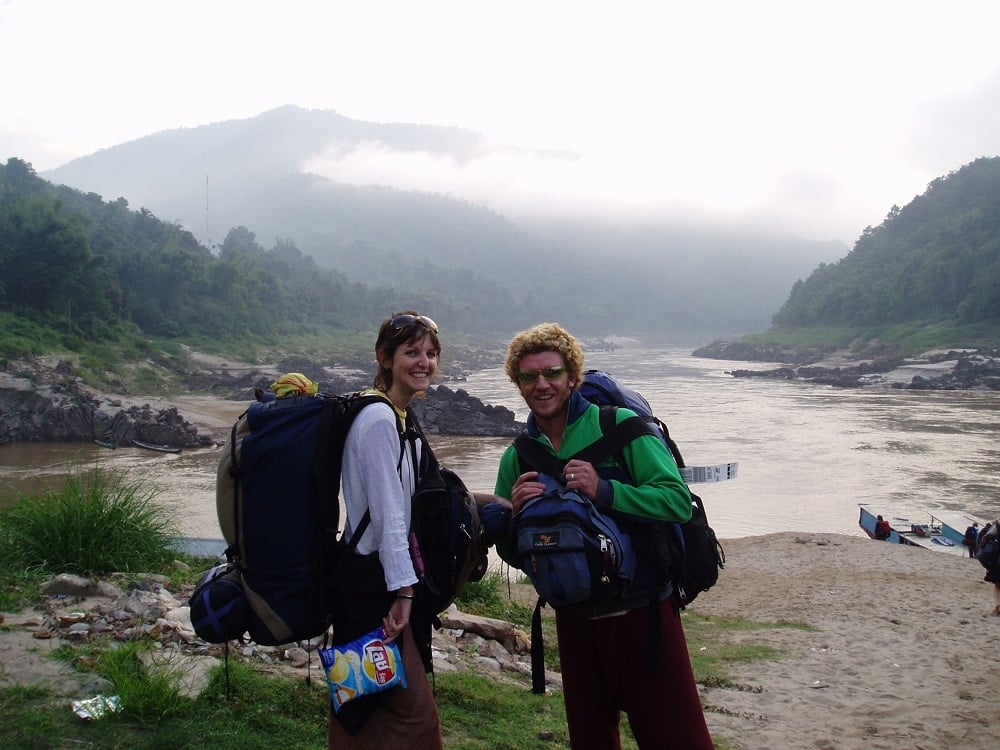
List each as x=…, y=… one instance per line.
x=45, y=403
x=934, y=370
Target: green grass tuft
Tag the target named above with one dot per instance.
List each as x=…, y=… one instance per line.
x=98, y=522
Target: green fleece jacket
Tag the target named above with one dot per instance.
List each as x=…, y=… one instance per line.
x=658, y=491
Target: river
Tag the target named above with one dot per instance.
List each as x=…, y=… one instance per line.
x=807, y=454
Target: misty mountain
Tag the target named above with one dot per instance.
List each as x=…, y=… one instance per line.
x=651, y=280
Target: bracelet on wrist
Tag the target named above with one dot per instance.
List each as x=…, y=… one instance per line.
x=404, y=596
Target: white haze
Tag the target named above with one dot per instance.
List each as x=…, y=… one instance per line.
x=526, y=184
x=799, y=118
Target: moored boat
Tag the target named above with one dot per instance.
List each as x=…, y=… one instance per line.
x=156, y=446
x=927, y=533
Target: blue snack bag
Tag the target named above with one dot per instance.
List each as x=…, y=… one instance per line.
x=365, y=666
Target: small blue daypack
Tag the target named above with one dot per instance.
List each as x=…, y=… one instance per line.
x=574, y=555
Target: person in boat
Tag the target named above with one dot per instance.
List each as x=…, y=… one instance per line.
x=972, y=538
x=882, y=529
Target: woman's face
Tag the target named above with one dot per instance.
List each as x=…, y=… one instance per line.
x=547, y=398
x=413, y=366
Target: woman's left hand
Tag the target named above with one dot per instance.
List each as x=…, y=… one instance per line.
x=398, y=618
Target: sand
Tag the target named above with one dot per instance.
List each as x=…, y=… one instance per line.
x=901, y=655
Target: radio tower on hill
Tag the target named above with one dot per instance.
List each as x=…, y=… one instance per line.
x=208, y=232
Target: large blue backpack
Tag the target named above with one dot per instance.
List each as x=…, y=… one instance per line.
x=278, y=502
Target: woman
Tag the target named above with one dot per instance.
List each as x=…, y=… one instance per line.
x=602, y=675
x=379, y=474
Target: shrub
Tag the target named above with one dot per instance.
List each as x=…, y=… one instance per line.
x=99, y=522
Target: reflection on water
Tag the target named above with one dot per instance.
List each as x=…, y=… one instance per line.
x=808, y=454
x=473, y=459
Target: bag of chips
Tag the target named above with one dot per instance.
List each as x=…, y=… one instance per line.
x=362, y=667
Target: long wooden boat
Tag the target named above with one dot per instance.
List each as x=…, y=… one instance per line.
x=156, y=446
x=932, y=532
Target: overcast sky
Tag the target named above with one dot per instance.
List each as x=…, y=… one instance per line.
x=803, y=117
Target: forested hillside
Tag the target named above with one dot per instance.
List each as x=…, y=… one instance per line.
x=90, y=269
x=935, y=260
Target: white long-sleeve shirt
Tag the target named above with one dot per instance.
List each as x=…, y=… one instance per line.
x=370, y=480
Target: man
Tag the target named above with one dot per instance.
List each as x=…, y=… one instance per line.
x=972, y=537
x=602, y=674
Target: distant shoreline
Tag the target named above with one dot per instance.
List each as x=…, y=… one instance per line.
x=951, y=369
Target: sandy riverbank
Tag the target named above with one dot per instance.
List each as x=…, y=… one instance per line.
x=902, y=655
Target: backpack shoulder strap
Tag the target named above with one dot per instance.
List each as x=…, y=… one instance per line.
x=414, y=434
x=335, y=422
x=615, y=436
x=624, y=432
x=534, y=457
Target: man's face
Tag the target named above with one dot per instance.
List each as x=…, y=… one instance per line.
x=547, y=397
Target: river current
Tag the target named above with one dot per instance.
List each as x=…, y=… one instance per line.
x=807, y=454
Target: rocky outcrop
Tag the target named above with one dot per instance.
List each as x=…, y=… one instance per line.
x=47, y=405
x=974, y=371
x=455, y=412
x=938, y=370
x=949, y=371
x=68, y=412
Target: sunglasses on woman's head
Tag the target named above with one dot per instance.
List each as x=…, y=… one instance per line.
x=404, y=320
x=549, y=373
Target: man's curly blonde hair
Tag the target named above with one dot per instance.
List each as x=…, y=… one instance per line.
x=545, y=337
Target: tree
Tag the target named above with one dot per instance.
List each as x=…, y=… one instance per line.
x=47, y=257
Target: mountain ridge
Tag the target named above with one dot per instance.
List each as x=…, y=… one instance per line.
x=249, y=173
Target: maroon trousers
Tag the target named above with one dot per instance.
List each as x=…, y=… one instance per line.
x=605, y=670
